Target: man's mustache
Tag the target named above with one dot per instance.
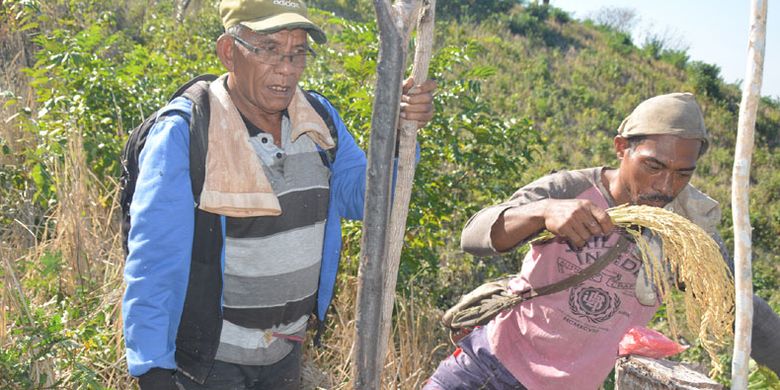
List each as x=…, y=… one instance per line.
x=656, y=198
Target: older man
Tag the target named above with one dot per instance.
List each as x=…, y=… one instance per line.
x=569, y=339
x=219, y=294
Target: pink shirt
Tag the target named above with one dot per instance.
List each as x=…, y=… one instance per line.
x=569, y=340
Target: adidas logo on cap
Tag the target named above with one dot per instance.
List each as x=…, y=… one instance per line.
x=287, y=3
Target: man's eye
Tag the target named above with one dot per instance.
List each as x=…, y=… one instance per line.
x=685, y=174
x=652, y=167
x=269, y=48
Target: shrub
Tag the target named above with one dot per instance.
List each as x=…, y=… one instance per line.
x=705, y=79
x=620, y=42
x=473, y=9
x=678, y=58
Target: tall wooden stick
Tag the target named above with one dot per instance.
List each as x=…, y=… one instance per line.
x=394, y=29
x=406, y=166
x=740, y=200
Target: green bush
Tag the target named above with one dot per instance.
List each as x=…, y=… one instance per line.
x=705, y=79
x=678, y=58
x=768, y=124
x=559, y=16
x=620, y=42
x=532, y=22
x=473, y=9
x=524, y=23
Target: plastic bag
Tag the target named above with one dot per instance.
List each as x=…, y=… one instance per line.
x=647, y=342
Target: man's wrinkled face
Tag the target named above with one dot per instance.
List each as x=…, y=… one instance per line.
x=269, y=88
x=656, y=169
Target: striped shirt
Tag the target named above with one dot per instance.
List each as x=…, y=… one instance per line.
x=272, y=264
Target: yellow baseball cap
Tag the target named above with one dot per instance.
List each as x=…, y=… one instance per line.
x=269, y=16
x=674, y=114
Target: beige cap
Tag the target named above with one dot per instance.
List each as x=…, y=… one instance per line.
x=675, y=114
x=269, y=16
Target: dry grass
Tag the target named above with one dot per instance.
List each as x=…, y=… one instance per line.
x=416, y=347
x=417, y=343
x=80, y=237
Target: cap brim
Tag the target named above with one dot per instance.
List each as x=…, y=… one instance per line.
x=287, y=21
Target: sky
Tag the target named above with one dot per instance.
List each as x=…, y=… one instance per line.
x=714, y=31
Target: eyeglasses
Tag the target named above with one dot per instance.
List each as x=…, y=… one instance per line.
x=273, y=57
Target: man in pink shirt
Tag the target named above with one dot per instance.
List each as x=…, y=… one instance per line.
x=569, y=339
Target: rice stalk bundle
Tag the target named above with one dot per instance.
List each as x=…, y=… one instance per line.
x=693, y=262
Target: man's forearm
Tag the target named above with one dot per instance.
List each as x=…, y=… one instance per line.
x=517, y=224
x=500, y=228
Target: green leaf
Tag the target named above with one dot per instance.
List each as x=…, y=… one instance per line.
x=28, y=26
x=52, y=262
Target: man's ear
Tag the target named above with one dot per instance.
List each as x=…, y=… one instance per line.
x=621, y=146
x=225, y=51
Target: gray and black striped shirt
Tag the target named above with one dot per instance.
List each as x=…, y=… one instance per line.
x=272, y=264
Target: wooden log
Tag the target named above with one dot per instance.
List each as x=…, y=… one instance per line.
x=740, y=198
x=405, y=177
x=376, y=217
x=637, y=372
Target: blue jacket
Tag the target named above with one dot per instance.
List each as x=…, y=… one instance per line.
x=160, y=243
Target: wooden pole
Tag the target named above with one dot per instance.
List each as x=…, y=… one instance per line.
x=393, y=35
x=740, y=200
x=406, y=166
x=639, y=372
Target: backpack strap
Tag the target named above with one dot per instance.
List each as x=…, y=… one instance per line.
x=183, y=89
x=197, y=91
x=327, y=156
x=621, y=246
x=479, y=310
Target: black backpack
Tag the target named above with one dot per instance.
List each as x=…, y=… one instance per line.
x=196, y=90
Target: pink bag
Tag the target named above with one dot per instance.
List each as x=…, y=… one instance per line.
x=647, y=342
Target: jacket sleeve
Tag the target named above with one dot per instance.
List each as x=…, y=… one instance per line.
x=159, y=244
x=765, y=341
x=348, y=181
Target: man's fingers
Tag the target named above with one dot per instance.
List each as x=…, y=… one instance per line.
x=413, y=114
x=585, y=224
x=417, y=107
x=417, y=102
x=427, y=86
x=407, y=85
x=426, y=98
x=576, y=237
x=409, y=89
x=582, y=234
x=594, y=228
x=603, y=219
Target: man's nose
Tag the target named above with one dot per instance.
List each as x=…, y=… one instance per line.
x=286, y=66
x=665, y=183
